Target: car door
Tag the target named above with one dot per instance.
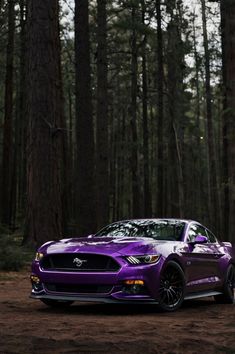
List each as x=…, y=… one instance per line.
x=202, y=271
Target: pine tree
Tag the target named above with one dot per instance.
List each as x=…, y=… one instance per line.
x=102, y=138
x=85, y=191
x=44, y=153
x=228, y=16
x=7, y=155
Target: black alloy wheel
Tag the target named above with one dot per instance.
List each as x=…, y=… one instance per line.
x=172, y=287
x=228, y=289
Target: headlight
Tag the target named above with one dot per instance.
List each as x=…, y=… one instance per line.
x=38, y=256
x=146, y=259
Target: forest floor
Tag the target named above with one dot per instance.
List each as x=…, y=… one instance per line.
x=28, y=327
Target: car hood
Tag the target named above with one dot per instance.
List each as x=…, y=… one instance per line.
x=107, y=245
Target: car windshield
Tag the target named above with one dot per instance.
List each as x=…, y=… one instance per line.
x=170, y=230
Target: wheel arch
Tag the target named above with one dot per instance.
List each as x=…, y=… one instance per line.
x=175, y=258
x=177, y=291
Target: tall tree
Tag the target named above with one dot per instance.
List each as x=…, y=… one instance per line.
x=21, y=122
x=147, y=193
x=198, y=160
x=85, y=194
x=133, y=112
x=213, y=179
x=175, y=71
x=225, y=177
x=102, y=150
x=228, y=37
x=160, y=106
x=44, y=204
x=7, y=155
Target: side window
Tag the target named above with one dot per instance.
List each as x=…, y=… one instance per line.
x=211, y=236
x=194, y=231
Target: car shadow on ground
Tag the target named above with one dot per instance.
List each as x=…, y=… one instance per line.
x=126, y=309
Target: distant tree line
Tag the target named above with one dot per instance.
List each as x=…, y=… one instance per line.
x=116, y=109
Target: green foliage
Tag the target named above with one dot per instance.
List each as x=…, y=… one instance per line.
x=13, y=257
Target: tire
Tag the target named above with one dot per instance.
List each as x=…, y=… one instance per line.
x=172, y=287
x=57, y=303
x=228, y=293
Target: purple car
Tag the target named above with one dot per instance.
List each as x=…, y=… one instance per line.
x=161, y=261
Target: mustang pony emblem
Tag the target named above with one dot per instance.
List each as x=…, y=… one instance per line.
x=78, y=262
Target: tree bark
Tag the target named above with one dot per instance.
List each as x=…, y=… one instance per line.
x=175, y=59
x=85, y=194
x=160, y=105
x=21, y=146
x=198, y=161
x=147, y=194
x=102, y=142
x=225, y=176
x=7, y=155
x=133, y=110
x=229, y=113
x=213, y=179
x=44, y=153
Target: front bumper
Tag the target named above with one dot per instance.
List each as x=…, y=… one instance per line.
x=149, y=274
x=93, y=299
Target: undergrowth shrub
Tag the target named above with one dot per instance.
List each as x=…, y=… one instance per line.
x=13, y=256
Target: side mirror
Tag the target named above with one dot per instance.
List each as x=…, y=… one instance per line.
x=199, y=239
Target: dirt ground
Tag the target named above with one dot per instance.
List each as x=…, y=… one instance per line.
x=28, y=327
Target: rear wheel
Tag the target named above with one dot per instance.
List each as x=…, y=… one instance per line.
x=228, y=290
x=172, y=287
x=57, y=303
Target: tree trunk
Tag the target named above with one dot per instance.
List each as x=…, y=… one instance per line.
x=44, y=153
x=21, y=171
x=63, y=153
x=7, y=155
x=133, y=111
x=147, y=194
x=160, y=132
x=112, y=165
x=229, y=114
x=199, y=161
x=225, y=177
x=102, y=149
x=71, y=179
x=213, y=180
x=175, y=60
x=85, y=204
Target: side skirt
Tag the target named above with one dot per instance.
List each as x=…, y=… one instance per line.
x=201, y=294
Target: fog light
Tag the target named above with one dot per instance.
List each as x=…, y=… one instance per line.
x=134, y=282
x=35, y=279
x=134, y=287
x=36, y=283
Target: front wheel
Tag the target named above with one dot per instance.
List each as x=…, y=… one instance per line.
x=228, y=290
x=172, y=287
x=56, y=303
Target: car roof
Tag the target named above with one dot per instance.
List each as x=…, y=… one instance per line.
x=158, y=219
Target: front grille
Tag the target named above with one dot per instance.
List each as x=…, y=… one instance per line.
x=79, y=262
x=78, y=288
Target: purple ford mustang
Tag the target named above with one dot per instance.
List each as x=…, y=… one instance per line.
x=162, y=261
